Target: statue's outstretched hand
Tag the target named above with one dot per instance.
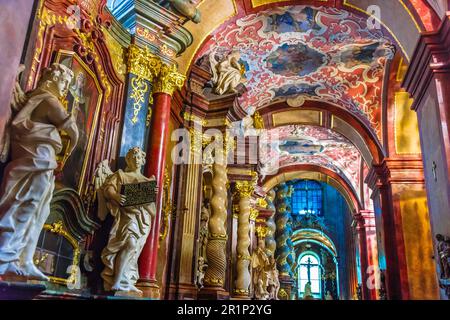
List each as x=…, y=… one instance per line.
x=119, y=199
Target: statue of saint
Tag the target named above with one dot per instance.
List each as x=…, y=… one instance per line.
x=204, y=219
x=28, y=183
x=307, y=294
x=260, y=264
x=273, y=283
x=227, y=74
x=443, y=249
x=131, y=225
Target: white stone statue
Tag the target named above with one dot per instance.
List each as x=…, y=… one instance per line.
x=28, y=182
x=131, y=225
x=307, y=294
x=260, y=266
x=227, y=74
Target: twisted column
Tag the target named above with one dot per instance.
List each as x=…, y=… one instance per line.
x=271, y=244
x=283, y=230
x=217, y=238
x=243, y=277
x=289, y=230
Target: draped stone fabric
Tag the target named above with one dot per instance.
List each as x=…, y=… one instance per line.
x=28, y=183
x=129, y=222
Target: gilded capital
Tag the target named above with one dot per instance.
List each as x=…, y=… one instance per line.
x=168, y=80
x=245, y=188
x=143, y=63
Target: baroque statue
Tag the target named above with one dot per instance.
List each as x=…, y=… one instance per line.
x=443, y=248
x=131, y=225
x=265, y=274
x=227, y=73
x=273, y=282
x=187, y=8
x=203, y=241
x=34, y=140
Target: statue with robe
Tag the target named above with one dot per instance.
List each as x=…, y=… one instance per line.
x=273, y=282
x=33, y=138
x=132, y=223
x=227, y=74
x=443, y=248
x=260, y=264
x=307, y=294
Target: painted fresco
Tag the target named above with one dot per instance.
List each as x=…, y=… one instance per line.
x=305, y=144
x=321, y=53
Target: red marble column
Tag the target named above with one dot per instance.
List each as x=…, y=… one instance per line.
x=164, y=85
x=362, y=254
x=368, y=253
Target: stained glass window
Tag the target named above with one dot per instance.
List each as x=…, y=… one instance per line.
x=307, y=198
x=309, y=271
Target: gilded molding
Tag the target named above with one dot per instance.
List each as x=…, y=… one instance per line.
x=262, y=231
x=168, y=80
x=143, y=63
x=245, y=188
x=254, y=213
x=139, y=88
x=58, y=228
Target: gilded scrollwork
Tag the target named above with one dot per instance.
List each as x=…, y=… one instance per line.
x=168, y=207
x=139, y=88
x=169, y=79
x=143, y=63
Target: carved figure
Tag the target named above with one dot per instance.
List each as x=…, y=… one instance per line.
x=227, y=74
x=273, y=283
x=187, y=8
x=260, y=265
x=28, y=182
x=443, y=249
x=131, y=225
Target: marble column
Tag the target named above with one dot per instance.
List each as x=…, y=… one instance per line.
x=365, y=226
x=271, y=244
x=243, y=277
x=217, y=238
x=166, y=82
x=403, y=223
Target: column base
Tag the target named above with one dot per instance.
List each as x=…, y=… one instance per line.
x=20, y=290
x=182, y=292
x=150, y=289
x=212, y=293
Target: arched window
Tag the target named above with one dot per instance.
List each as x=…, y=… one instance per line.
x=309, y=270
x=307, y=198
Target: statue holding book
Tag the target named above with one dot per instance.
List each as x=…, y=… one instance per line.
x=130, y=198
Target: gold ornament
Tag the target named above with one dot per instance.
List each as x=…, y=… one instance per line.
x=143, y=63
x=258, y=121
x=245, y=188
x=254, y=213
x=168, y=80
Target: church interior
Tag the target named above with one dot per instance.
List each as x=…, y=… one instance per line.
x=225, y=149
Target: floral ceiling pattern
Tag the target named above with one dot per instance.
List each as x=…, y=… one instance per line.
x=305, y=144
x=299, y=52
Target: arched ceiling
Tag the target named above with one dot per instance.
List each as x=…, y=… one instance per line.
x=311, y=145
x=302, y=52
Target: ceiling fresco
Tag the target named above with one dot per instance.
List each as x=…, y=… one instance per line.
x=305, y=144
x=300, y=52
